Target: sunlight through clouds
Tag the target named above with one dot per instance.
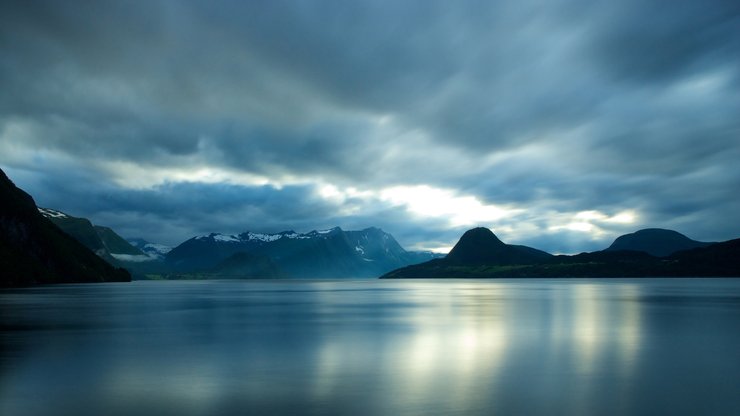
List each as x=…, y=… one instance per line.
x=133, y=176
x=516, y=224
x=423, y=201
x=426, y=201
x=591, y=221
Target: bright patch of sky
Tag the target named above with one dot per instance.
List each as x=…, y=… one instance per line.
x=591, y=222
x=460, y=210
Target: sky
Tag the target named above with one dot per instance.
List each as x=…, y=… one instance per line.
x=558, y=124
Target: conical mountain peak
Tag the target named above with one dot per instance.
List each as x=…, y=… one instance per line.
x=478, y=245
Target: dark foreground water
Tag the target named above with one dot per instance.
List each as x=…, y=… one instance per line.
x=653, y=346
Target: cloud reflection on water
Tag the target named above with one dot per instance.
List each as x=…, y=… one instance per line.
x=524, y=346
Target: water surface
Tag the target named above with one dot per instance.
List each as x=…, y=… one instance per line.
x=623, y=346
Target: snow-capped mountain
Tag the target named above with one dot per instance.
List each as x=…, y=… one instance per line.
x=153, y=250
x=248, y=236
x=331, y=253
x=328, y=253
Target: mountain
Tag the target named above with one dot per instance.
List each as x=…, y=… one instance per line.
x=245, y=266
x=477, y=251
x=153, y=250
x=103, y=241
x=481, y=246
x=416, y=257
x=114, y=243
x=713, y=260
x=332, y=253
x=655, y=241
x=479, y=254
x=35, y=251
x=718, y=259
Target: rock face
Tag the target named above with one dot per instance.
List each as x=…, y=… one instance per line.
x=655, y=241
x=35, y=251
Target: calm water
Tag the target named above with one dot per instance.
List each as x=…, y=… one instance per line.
x=656, y=346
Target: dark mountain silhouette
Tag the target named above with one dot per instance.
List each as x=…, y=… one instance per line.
x=718, y=259
x=655, y=241
x=480, y=255
x=481, y=246
x=33, y=250
x=477, y=251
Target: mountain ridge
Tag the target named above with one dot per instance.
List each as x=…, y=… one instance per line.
x=658, y=242
x=101, y=240
x=479, y=260
x=329, y=253
x=33, y=250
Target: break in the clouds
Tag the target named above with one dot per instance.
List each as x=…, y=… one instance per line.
x=559, y=124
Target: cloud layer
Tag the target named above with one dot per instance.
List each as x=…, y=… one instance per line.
x=558, y=124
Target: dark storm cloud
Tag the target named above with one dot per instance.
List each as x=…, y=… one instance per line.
x=650, y=41
x=183, y=208
x=173, y=212
x=548, y=108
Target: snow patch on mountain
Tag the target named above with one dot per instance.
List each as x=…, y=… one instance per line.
x=219, y=237
x=295, y=236
x=226, y=238
x=50, y=213
x=264, y=237
x=153, y=250
x=158, y=248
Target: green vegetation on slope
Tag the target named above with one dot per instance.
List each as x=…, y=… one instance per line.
x=33, y=250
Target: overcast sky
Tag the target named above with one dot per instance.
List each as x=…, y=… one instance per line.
x=557, y=124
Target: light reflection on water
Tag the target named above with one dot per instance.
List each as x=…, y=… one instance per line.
x=372, y=347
